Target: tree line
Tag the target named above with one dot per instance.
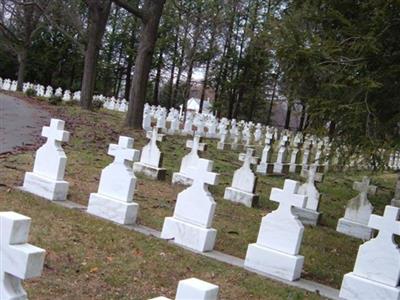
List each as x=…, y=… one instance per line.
x=337, y=60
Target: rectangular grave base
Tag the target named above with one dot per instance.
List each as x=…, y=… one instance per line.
x=112, y=209
x=354, y=229
x=274, y=262
x=265, y=168
x=358, y=288
x=189, y=235
x=53, y=190
x=241, y=197
x=237, y=147
x=180, y=178
x=149, y=171
x=221, y=146
x=295, y=168
x=280, y=168
x=307, y=216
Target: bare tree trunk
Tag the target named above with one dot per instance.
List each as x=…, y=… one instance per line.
x=171, y=79
x=302, y=118
x=158, y=78
x=288, y=114
x=205, y=83
x=98, y=15
x=180, y=68
x=153, y=9
x=21, y=68
x=131, y=57
x=272, y=100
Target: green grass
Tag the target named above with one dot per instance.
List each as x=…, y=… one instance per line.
x=88, y=257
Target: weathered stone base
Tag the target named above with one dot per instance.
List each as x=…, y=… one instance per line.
x=241, y=197
x=274, y=262
x=307, y=216
x=280, y=168
x=354, y=229
x=221, y=146
x=295, y=168
x=111, y=209
x=180, y=178
x=54, y=190
x=185, y=133
x=149, y=171
x=265, y=168
x=238, y=147
x=357, y=288
x=189, y=235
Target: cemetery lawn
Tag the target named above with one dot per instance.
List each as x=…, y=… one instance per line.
x=88, y=257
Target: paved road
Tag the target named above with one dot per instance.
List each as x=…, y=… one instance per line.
x=20, y=122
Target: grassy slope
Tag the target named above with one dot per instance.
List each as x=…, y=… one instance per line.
x=91, y=257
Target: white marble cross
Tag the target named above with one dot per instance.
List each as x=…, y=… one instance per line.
x=248, y=157
x=388, y=225
x=151, y=154
x=50, y=159
x=195, y=144
x=195, y=204
x=364, y=187
x=377, y=264
x=55, y=132
x=194, y=289
x=281, y=230
x=312, y=175
x=18, y=259
x=154, y=135
x=288, y=197
x=202, y=174
x=309, y=189
x=123, y=151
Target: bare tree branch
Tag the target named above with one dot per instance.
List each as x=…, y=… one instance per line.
x=133, y=10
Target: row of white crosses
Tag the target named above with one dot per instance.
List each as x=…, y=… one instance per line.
x=277, y=249
x=246, y=134
x=110, y=103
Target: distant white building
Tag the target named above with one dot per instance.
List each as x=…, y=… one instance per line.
x=193, y=104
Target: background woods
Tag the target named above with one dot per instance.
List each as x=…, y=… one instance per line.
x=333, y=64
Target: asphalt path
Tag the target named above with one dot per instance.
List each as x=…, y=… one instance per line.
x=21, y=123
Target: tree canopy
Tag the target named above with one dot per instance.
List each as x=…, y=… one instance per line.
x=339, y=61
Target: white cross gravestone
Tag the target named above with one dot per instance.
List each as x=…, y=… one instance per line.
x=280, y=236
x=280, y=164
x=114, y=199
x=190, y=159
x=264, y=165
x=258, y=134
x=222, y=139
x=146, y=123
x=309, y=215
x=47, y=178
x=306, y=153
x=174, y=125
x=244, y=181
x=396, y=198
x=294, y=166
x=376, y=273
x=194, y=289
x=151, y=159
x=194, y=211
x=18, y=259
x=358, y=210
